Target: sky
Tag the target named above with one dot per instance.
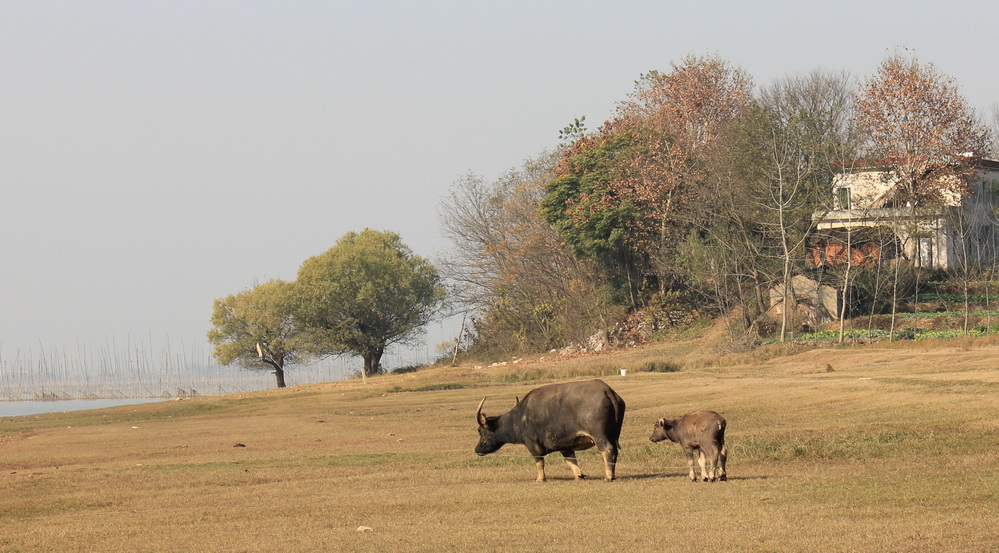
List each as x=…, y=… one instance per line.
x=157, y=155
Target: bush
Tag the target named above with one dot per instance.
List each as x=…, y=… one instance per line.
x=873, y=288
x=660, y=367
x=407, y=369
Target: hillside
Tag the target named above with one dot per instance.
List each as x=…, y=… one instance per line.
x=876, y=448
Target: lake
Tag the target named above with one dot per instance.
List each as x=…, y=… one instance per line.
x=19, y=408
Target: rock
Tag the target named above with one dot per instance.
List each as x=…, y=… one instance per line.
x=811, y=304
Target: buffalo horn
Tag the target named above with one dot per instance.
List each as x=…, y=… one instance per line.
x=478, y=413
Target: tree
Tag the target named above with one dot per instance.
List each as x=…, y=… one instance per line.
x=367, y=292
x=676, y=120
x=622, y=194
x=803, y=131
x=255, y=328
x=580, y=204
x=813, y=134
x=920, y=126
x=993, y=123
x=511, y=270
x=765, y=173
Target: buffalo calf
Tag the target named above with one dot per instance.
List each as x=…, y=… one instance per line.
x=700, y=430
x=563, y=417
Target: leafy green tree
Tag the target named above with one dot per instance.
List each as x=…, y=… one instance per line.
x=588, y=215
x=365, y=293
x=255, y=329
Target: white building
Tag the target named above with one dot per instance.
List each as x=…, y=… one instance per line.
x=869, y=223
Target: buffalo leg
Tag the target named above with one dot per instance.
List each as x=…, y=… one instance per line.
x=716, y=470
x=610, y=462
x=570, y=459
x=539, y=462
x=707, y=472
x=688, y=452
x=722, y=457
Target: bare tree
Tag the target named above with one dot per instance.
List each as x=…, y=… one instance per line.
x=921, y=129
x=993, y=123
x=512, y=270
x=919, y=125
x=801, y=131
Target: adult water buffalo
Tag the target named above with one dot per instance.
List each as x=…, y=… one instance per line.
x=700, y=430
x=564, y=417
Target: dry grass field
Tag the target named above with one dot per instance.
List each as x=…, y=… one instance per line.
x=869, y=449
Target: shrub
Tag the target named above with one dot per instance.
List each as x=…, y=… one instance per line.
x=872, y=288
x=660, y=367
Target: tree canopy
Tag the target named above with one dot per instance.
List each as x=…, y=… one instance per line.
x=256, y=329
x=917, y=122
x=365, y=293
x=701, y=192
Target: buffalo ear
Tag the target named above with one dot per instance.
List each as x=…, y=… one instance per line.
x=661, y=423
x=516, y=400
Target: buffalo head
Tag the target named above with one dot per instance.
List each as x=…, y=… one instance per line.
x=659, y=431
x=488, y=441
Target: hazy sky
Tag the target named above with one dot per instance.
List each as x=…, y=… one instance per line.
x=155, y=156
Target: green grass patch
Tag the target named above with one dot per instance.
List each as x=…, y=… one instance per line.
x=948, y=385
x=956, y=298
x=947, y=314
x=868, y=444
x=877, y=334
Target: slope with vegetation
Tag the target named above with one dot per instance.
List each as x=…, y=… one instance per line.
x=700, y=195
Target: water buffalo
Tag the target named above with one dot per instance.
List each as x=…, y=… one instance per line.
x=700, y=430
x=565, y=417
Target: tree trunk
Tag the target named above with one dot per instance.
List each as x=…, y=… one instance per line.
x=278, y=369
x=844, y=297
x=371, y=360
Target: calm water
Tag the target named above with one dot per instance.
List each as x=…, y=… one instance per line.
x=17, y=408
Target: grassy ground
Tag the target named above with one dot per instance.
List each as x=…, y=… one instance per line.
x=880, y=448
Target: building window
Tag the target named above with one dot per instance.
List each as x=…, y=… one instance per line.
x=926, y=253
x=843, y=198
